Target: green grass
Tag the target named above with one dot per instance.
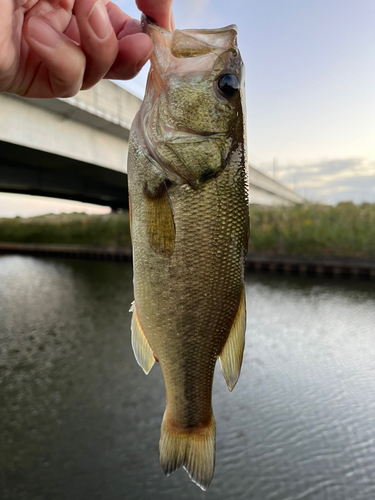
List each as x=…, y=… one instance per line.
x=78, y=229
x=346, y=230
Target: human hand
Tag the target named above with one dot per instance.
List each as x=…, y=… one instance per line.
x=54, y=48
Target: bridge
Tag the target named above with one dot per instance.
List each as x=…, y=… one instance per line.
x=76, y=149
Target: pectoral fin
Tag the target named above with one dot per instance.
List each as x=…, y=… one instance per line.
x=160, y=222
x=232, y=353
x=141, y=348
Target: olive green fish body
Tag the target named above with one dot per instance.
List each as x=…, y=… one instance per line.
x=189, y=201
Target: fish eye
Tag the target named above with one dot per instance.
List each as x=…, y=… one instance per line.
x=228, y=85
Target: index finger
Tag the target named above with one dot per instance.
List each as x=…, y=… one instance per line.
x=8, y=52
x=160, y=12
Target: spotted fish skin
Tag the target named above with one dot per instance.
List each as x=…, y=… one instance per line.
x=188, y=189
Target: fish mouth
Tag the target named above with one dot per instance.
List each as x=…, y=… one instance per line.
x=183, y=48
x=148, y=24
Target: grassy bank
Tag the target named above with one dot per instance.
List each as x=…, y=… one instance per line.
x=346, y=230
x=78, y=229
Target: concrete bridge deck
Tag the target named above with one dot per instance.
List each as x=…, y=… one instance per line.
x=77, y=148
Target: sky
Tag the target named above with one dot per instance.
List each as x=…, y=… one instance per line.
x=310, y=80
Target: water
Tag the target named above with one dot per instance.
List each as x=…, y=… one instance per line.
x=79, y=420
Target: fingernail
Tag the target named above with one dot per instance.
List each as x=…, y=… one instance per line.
x=43, y=33
x=143, y=61
x=99, y=20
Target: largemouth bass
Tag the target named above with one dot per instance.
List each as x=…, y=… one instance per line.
x=188, y=188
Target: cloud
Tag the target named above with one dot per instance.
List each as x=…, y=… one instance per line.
x=362, y=182
x=331, y=181
x=321, y=169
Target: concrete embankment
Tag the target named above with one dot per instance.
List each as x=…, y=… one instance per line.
x=73, y=251
x=312, y=265
x=255, y=262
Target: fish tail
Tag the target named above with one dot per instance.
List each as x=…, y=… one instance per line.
x=193, y=448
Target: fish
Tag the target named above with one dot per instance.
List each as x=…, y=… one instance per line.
x=189, y=217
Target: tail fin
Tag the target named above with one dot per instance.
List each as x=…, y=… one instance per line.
x=193, y=448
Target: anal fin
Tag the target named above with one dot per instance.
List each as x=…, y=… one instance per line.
x=232, y=353
x=141, y=348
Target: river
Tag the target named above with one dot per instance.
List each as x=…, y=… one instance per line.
x=79, y=420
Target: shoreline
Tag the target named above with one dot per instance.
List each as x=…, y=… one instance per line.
x=296, y=264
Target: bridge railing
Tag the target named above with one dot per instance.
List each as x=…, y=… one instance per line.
x=109, y=102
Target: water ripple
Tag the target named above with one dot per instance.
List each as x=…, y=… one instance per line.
x=79, y=420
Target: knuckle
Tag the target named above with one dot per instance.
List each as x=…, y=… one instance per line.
x=69, y=81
